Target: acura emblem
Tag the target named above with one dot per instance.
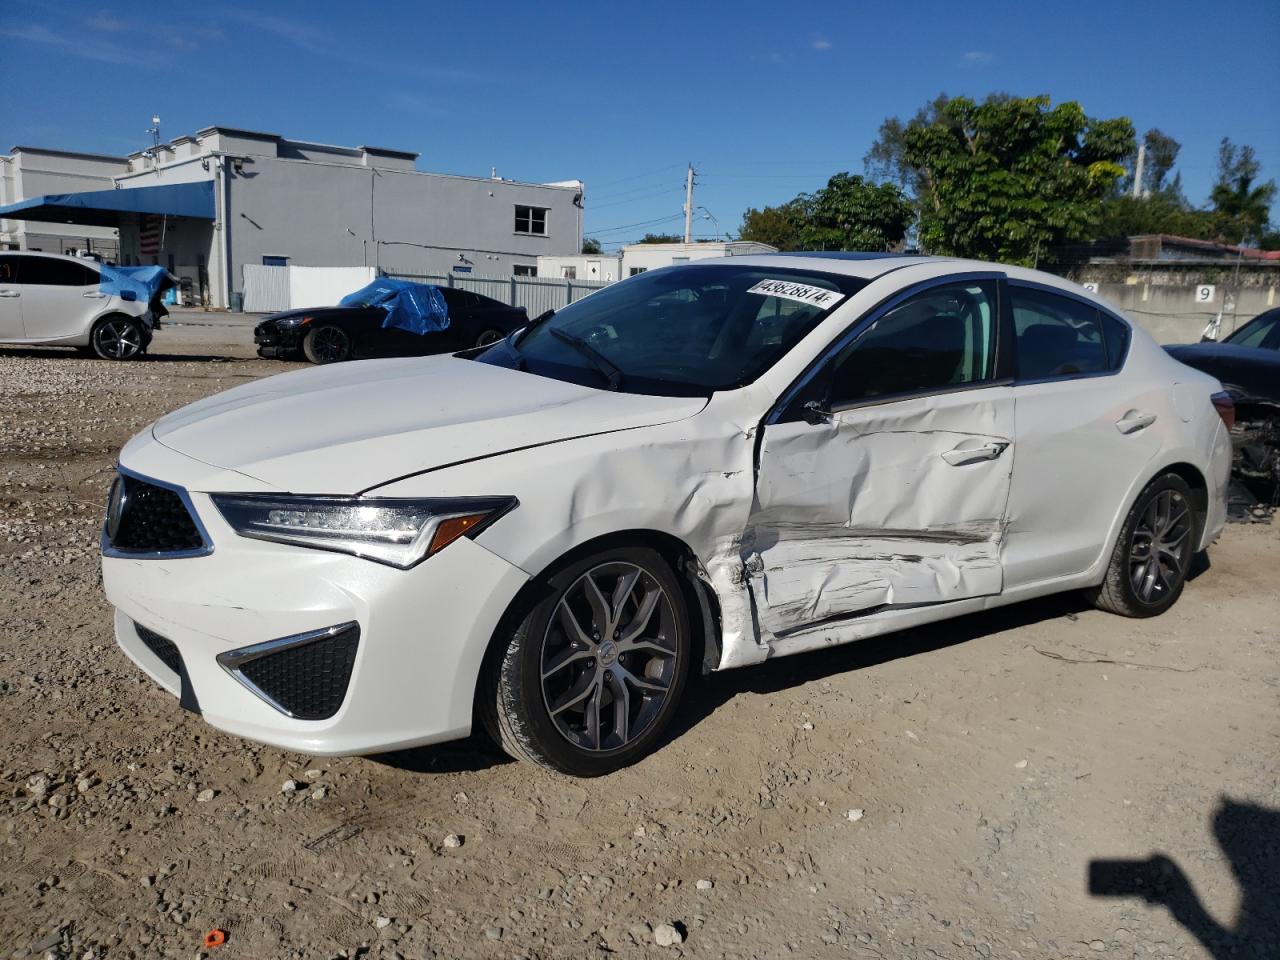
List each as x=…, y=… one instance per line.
x=115, y=507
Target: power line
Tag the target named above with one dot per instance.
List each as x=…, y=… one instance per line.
x=663, y=191
x=642, y=223
x=639, y=176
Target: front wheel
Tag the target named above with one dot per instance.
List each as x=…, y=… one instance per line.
x=1149, y=564
x=489, y=337
x=591, y=676
x=327, y=344
x=117, y=338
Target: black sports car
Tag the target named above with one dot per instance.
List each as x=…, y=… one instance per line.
x=356, y=330
x=1248, y=364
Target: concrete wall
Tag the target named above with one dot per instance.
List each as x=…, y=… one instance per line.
x=1172, y=315
x=28, y=173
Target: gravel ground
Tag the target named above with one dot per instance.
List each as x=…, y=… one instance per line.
x=947, y=792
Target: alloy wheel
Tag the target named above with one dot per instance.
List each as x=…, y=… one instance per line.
x=488, y=337
x=609, y=656
x=1158, y=550
x=117, y=339
x=329, y=344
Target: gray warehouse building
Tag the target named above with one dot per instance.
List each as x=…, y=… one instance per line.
x=207, y=205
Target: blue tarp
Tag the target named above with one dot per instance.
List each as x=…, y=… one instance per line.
x=104, y=207
x=134, y=283
x=417, y=307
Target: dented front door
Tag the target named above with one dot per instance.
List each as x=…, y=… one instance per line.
x=887, y=505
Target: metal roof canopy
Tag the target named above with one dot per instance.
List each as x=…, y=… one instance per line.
x=102, y=208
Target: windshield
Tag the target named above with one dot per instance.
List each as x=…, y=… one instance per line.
x=1258, y=333
x=680, y=331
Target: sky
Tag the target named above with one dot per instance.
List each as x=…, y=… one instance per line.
x=766, y=100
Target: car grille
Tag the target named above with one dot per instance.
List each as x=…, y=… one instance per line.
x=307, y=680
x=152, y=519
x=162, y=647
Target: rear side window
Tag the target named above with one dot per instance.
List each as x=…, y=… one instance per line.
x=48, y=272
x=1061, y=337
x=8, y=269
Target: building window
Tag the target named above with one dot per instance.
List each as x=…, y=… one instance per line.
x=524, y=270
x=636, y=271
x=568, y=273
x=275, y=261
x=531, y=220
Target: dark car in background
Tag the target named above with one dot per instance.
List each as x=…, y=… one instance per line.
x=1248, y=364
x=364, y=325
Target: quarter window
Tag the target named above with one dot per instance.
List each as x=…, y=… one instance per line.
x=531, y=220
x=942, y=337
x=1061, y=337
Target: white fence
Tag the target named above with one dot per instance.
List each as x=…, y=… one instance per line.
x=536, y=294
x=272, y=289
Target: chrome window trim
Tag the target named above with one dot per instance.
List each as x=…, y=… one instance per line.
x=232, y=660
x=202, y=551
x=1079, y=298
x=859, y=327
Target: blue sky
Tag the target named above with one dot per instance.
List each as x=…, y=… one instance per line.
x=766, y=99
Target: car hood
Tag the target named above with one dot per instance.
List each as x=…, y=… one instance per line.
x=349, y=427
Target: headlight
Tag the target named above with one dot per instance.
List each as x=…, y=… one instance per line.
x=389, y=530
x=292, y=321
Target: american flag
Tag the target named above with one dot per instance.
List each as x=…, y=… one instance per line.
x=149, y=236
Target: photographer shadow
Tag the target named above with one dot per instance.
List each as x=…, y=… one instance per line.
x=1249, y=836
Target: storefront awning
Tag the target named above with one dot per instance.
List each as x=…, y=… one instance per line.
x=102, y=208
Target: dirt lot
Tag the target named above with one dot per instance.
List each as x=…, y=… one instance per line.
x=941, y=793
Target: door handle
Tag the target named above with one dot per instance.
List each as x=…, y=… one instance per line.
x=9, y=293
x=1135, y=420
x=95, y=295
x=988, y=451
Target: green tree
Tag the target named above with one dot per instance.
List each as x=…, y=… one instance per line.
x=661, y=238
x=849, y=213
x=1241, y=205
x=1005, y=179
x=592, y=246
x=777, y=226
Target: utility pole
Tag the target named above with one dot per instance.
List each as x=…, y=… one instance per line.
x=1137, y=173
x=688, y=205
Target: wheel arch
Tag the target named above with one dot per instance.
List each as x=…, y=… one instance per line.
x=700, y=598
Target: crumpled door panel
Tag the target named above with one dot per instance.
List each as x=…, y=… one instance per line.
x=867, y=512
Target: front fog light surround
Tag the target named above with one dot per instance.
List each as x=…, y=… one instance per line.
x=398, y=532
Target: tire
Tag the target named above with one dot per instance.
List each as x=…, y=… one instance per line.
x=1138, y=584
x=488, y=337
x=327, y=344
x=118, y=337
x=550, y=692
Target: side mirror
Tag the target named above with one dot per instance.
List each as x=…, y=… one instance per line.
x=814, y=413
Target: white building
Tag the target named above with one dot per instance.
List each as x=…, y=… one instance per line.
x=206, y=205
x=639, y=257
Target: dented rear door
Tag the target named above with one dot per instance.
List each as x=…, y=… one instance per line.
x=884, y=480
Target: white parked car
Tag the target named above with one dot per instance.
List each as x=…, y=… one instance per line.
x=54, y=300
x=698, y=468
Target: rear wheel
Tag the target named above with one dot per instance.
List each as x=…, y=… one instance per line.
x=488, y=337
x=327, y=344
x=591, y=676
x=117, y=338
x=1150, y=562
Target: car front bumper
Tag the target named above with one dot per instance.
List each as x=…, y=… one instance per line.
x=276, y=342
x=423, y=633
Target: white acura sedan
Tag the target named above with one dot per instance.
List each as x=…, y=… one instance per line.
x=698, y=468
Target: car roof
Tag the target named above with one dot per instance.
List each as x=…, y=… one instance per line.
x=55, y=256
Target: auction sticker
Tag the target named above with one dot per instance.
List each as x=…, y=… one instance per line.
x=799, y=292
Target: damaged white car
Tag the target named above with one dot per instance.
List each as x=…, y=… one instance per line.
x=695, y=469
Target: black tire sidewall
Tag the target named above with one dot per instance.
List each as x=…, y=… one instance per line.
x=498, y=335
x=522, y=673
x=309, y=339
x=1168, y=481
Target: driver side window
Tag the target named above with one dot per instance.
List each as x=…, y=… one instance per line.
x=940, y=338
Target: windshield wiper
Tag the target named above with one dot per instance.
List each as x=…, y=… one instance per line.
x=598, y=360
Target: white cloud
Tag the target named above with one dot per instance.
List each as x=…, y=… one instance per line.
x=819, y=42
x=977, y=56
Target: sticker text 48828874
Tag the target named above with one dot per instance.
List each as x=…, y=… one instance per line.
x=819, y=297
